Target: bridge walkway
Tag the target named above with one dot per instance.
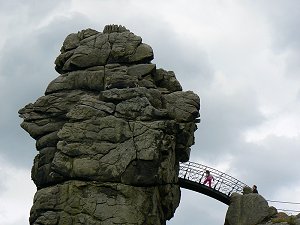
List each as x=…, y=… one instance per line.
x=192, y=175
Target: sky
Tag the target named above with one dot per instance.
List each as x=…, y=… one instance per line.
x=241, y=57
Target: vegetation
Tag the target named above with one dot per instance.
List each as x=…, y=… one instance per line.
x=289, y=219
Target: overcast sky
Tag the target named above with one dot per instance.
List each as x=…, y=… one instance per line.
x=240, y=56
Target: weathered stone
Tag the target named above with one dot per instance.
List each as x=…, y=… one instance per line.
x=110, y=130
x=48, y=140
x=281, y=218
x=147, y=82
x=92, y=51
x=182, y=106
x=247, y=190
x=141, y=70
x=247, y=209
x=114, y=28
x=118, y=95
x=166, y=79
x=272, y=211
x=42, y=168
x=88, y=80
x=89, y=106
x=143, y=53
x=117, y=77
x=54, y=105
x=41, y=127
x=81, y=51
x=139, y=109
x=184, y=140
x=107, y=165
x=72, y=41
x=105, y=203
x=123, y=46
x=77, y=149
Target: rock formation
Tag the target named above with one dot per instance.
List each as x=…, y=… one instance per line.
x=253, y=209
x=248, y=209
x=110, y=132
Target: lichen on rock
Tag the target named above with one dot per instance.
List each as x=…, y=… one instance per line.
x=110, y=132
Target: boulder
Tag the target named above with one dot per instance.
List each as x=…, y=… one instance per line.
x=249, y=209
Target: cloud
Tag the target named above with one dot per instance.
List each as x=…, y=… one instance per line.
x=283, y=19
x=225, y=115
x=15, y=203
x=26, y=68
x=269, y=162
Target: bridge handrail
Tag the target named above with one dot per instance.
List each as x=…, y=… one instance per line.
x=223, y=182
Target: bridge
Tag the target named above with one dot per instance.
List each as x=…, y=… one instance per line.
x=192, y=175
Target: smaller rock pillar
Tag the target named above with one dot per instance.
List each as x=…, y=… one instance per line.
x=248, y=209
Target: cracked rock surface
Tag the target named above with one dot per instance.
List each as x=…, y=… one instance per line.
x=110, y=132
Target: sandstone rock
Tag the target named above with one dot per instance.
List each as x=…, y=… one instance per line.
x=110, y=132
x=249, y=209
x=247, y=190
x=76, y=202
x=89, y=80
x=141, y=70
x=143, y=53
x=167, y=80
x=114, y=28
x=90, y=48
x=272, y=211
x=182, y=106
x=42, y=127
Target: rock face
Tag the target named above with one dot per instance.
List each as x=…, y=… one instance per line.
x=253, y=209
x=248, y=209
x=110, y=132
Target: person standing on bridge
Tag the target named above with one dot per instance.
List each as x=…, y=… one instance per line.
x=208, y=178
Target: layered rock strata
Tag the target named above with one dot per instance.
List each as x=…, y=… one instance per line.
x=110, y=132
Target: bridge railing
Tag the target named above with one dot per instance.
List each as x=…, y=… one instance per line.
x=223, y=182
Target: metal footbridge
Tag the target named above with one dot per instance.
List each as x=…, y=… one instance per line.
x=192, y=175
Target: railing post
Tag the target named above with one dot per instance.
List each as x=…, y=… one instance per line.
x=185, y=174
x=229, y=193
x=218, y=180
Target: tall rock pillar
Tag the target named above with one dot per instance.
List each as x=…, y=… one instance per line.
x=110, y=132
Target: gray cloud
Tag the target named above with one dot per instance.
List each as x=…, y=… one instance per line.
x=224, y=118
x=270, y=164
x=26, y=68
x=283, y=18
